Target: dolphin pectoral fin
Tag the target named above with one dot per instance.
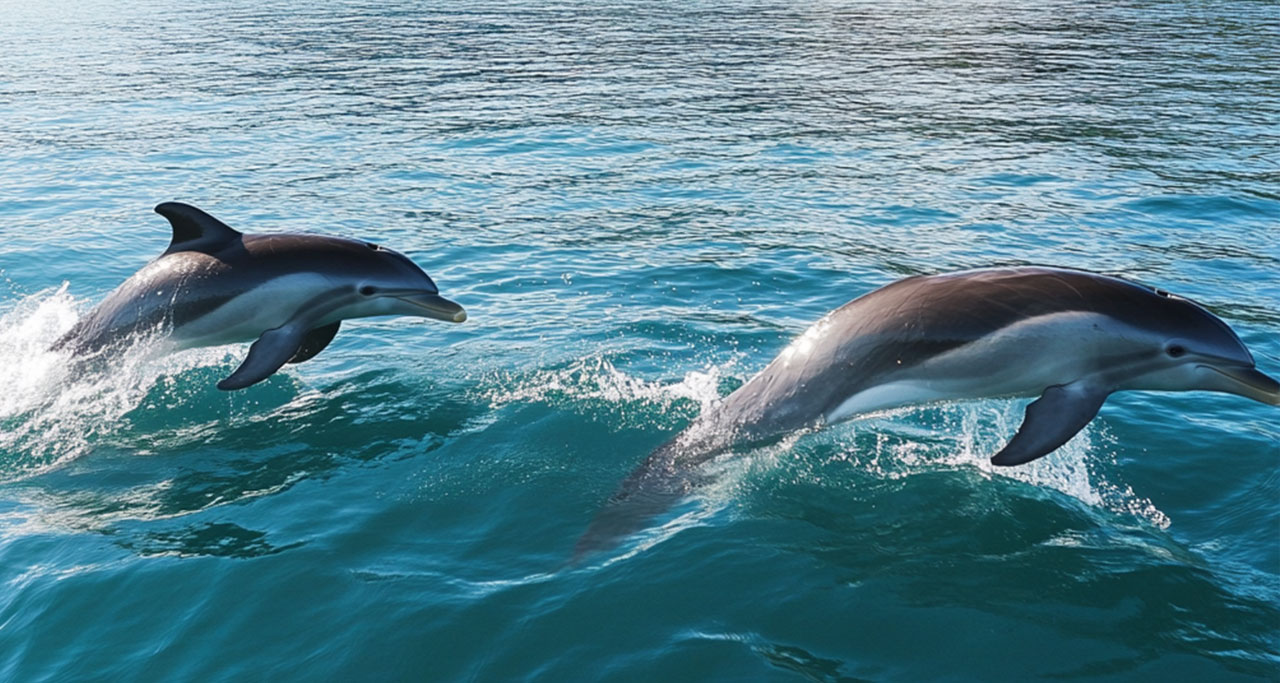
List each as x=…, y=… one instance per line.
x=272, y=350
x=315, y=341
x=1051, y=420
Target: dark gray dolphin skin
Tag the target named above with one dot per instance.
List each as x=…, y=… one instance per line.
x=289, y=292
x=1070, y=337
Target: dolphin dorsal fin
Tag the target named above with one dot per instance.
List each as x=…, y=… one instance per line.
x=195, y=230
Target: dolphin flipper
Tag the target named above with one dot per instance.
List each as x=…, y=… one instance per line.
x=315, y=341
x=1051, y=420
x=272, y=350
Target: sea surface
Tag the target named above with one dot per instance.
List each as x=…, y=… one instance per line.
x=639, y=204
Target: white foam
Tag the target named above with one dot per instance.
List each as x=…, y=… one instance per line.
x=966, y=435
x=597, y=378
x=52, y=410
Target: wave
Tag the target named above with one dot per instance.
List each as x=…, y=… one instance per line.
x=56, y=408
x=965, y=435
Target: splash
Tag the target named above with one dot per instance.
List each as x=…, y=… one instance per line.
x=25, y=334
x=965, y=435
x=53, y=411
x=596, y=379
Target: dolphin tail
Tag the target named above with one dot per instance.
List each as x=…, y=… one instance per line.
x=668, y=475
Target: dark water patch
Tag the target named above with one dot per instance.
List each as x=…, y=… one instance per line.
x=211, y=539
x=1204, y=208
x=946, y=541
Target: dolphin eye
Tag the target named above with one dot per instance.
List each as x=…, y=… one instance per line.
x=368, y=290
x=1176, y=351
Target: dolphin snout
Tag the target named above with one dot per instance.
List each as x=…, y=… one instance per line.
x=435, y=306
x=1246, y=381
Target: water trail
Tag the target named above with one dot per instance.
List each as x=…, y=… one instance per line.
x=53, y=410
x=596, y=379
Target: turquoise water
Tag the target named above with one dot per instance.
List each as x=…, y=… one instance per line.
x=639, y=204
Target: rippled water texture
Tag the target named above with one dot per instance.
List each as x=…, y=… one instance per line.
x=638, y=204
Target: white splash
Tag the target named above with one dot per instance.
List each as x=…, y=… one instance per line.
x=32, y=372
x=596, y=378
x=966, y=435
x=52, y=410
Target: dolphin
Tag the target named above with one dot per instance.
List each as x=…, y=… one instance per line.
x=289, y=292
x=1069, y=337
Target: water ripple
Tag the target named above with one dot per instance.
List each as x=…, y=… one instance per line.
x=639, y=204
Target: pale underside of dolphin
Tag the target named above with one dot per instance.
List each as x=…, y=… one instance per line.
x=1070, y=337
x=286, y=292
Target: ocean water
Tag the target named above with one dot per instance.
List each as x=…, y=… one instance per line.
x=639, y=204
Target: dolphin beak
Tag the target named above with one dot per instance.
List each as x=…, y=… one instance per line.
x=1246, y=381
x=436, y=306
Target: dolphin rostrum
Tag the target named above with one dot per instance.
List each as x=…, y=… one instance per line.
x=290, y=292
x=1068, y=336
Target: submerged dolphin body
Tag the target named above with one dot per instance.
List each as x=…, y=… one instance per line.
x=289, y=292
x=1067, y=336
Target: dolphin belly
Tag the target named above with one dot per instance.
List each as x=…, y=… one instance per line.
x=1018, y=360
x=887, y=397
x=243, y=316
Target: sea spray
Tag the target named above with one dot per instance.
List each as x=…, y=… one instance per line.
x=57, y=406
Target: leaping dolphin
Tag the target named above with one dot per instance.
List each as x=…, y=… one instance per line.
x=1068, y=336
x=290, y=292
